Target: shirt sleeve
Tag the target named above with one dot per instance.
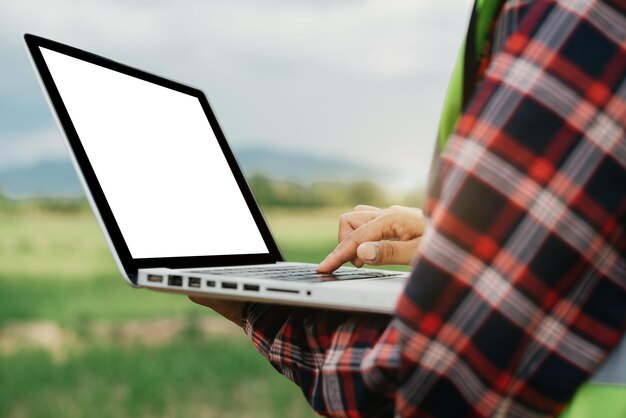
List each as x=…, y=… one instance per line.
x=520, y=289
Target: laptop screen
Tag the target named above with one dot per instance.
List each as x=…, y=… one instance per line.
x=158, y=161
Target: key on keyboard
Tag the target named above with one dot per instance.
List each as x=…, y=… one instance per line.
x=304, y=273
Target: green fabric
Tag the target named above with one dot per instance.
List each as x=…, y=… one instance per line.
x=485, y=13
x=593, y=400
x=453, y=102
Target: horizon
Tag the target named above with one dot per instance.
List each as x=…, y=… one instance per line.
x=302, y=169
x=361, y=81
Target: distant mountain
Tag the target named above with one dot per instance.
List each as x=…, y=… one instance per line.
x=303, y=168
x=56, y=178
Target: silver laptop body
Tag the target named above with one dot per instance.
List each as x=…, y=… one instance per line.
x=169, y=195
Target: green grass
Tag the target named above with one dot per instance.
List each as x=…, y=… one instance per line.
x=72, y=302
x=188, y=378
x=56, y=267
x=52, y=246
x=64, y=247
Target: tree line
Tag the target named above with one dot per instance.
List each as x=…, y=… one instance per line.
x=268, y=192
x=275, y=193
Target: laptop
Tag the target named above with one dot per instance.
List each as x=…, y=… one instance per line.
x=166, y=189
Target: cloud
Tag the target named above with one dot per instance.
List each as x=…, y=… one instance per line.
x=370, y=36
x=26, y=148
x=359, y=78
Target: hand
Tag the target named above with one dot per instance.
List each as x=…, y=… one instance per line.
x=369, y=235
x=233, y=311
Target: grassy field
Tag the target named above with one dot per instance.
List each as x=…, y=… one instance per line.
x=58, y=267
x=211, y=377
x=75, y=341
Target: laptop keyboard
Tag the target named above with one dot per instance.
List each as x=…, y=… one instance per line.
x=300, y=273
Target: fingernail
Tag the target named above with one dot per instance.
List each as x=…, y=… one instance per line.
x=368, y=252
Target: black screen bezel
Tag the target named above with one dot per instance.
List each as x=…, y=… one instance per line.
x=132, y=265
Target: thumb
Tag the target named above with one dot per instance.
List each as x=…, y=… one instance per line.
x=388, y=252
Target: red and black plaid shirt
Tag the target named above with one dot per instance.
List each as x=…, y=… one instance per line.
x=520, y=289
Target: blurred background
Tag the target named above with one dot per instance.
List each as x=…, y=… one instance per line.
x=327, y=104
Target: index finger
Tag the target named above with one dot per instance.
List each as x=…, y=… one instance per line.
x=374, y=230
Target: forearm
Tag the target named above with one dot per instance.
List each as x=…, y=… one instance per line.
x=328, y=354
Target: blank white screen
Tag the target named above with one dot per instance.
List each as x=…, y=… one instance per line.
x=158, y=162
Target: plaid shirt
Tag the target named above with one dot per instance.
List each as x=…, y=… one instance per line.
x=520, y=289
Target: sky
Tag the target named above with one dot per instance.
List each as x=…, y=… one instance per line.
x=363, y=80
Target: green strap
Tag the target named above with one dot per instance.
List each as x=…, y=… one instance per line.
x=486, y=12
x=453, y=102
x=483, y=14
